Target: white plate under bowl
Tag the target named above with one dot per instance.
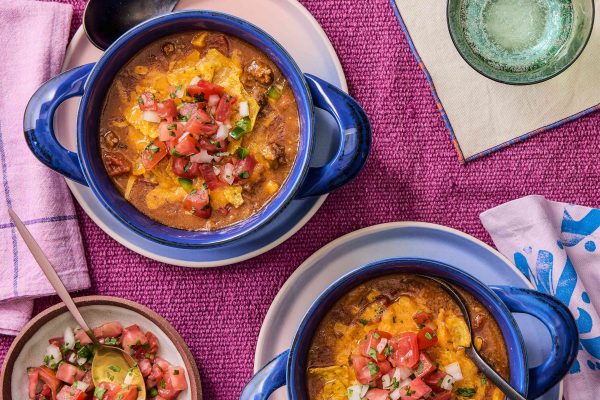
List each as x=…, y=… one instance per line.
x=297, y=30
x=397, y=239
x=101, y=309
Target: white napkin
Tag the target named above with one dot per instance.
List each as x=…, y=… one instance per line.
x=486, y=115
x=557, y=247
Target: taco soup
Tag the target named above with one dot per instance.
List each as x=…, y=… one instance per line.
x=402, y=337
x=199, y=130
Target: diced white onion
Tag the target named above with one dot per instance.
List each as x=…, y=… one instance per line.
x=447, y=382
x=386, y=381
x=203, y=157
x=185, y=134
x=69, y=338
x=354, y=392
x=381, y=345
x=454, y=370
x=81, y=360
x=150, y=116
x=54, y=354
x=363, y=390
x=217, y=170
x=244, y=110
x=395, y=395
x=213, y=100
x=194, y=80
x=128, y=378
x=222, y=132
x=80, y=385
x=402, y=373
x=179, y=93
x=227, y=173
x=405, y=383
x=72, y=358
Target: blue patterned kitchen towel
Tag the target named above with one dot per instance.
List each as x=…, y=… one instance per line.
x=557, y=247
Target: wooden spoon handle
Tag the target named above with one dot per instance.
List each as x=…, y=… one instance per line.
x=49, y=271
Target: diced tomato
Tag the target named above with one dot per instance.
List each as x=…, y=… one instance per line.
x=377, y=394
x=34, y=377
x=57, y=341
x=195, y=127
x=82, y=337
x=198, y=204
x=212, y=146
x=367, y=370
x=132, y=336
x=447, y=395
x=368, y=346
x=426, y=338
x=422, y=317
x=167, y=110
x=69, y=373
x=224, y=108
x=184, y=168
x=205, y=89
x=416, y=389
x=110, y=329
x=434, y=380
x=186, y=146
x=243, y=169
x=145, y=367
x=176, y=378
x=147, y=102
x=70, y=393
x=153, y=153
x=167, y=131
x=127, y=393
x=210, y=177
x=200, y=115
x=405, y=350
x=49, y=378
x=46, y=393
x=425, y=366
x=152, y=342
x=187, y=109
x=111, y=391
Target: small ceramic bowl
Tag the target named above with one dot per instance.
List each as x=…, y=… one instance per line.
x=289, y=368
x=520, y=42
x=29, y=347
x=91, y=82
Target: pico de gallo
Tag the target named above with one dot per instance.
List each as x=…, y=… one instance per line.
x=66, y=370
x=399, y=367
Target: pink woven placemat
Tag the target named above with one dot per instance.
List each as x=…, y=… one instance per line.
x=412, y=174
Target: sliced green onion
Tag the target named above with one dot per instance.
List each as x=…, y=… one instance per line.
x=241, y=128
x=274, y=92
x=242, y=152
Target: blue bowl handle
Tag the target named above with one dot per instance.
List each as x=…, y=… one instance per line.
x=272, y=376
x=38, y=122
x=355, y=140
x=561, y=326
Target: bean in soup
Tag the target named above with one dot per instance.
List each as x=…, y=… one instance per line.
x=199, y=130
x=403, y=337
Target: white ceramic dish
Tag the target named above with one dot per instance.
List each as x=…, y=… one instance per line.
x=293, y=26
x=29, y=347
x=398, y=239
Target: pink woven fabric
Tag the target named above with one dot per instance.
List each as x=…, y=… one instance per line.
x=413, y=174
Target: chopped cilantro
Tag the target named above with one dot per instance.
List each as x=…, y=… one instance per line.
x=153, y=392
x=244, y=175
x=428, y=336
x=466, y=392
x=373, y=369
x=376, y=335
x=363, y=321
x=388, y=351
x=372, y=353
x=100, y=391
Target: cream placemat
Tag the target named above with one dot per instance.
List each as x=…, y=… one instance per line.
x=484, y=115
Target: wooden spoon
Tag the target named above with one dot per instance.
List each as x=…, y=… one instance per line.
x=110, y=364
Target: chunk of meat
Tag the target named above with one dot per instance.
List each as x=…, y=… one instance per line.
x=116, y=163
x=260, y=72
x=479, y=320
x=110, y=138
x=275, y=153
x=219, y=42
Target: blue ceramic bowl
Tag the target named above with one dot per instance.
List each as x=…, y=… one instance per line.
x=289, y=368
x=92, y=82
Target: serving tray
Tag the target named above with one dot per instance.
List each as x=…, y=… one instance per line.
x=297, y=30
x=397, y=239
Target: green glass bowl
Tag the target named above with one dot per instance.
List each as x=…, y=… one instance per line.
x=520, y=42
